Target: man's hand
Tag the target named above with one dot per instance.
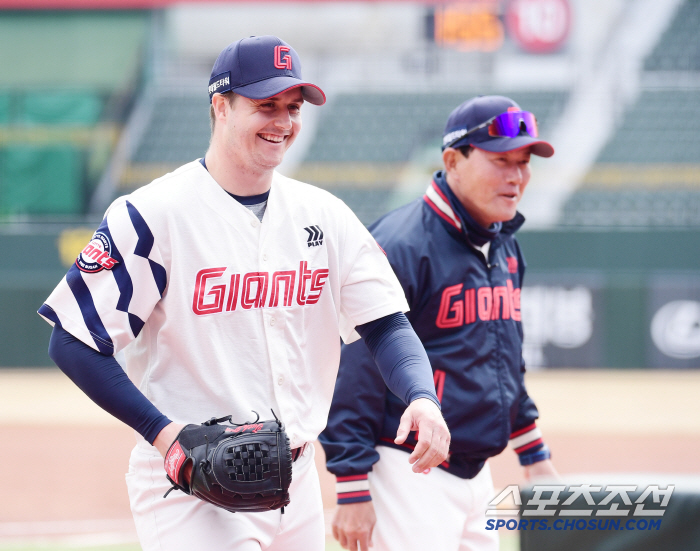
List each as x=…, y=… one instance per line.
x=433, y=444
x=541, y=469
x=353, y=525
x=165, y=439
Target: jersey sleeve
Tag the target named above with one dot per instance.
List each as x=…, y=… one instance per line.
x=369, y=288
x=110, y=291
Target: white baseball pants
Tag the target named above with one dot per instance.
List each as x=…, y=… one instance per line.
x=185, y=523
x=429, y=511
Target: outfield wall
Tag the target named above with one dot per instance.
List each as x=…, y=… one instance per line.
x=591, y=299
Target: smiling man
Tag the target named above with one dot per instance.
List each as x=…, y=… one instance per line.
x=461, y=270
x=227, y=285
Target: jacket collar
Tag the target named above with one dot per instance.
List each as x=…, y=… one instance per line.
x=445, y=204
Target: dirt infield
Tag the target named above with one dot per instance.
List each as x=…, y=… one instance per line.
x=64, y=459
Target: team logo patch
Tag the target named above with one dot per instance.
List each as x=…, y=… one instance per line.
x=96, y=256
x=315, y=236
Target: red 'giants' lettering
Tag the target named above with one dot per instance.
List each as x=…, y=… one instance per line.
x=461, y=308
x=252, y=290
x=200, y=292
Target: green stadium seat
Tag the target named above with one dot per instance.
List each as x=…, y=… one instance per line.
x=64, y=108
x=659, y=130
x=392, y=127
x=40, y=180
x=178, y=132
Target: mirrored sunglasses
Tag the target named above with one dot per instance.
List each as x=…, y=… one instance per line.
x=506, y=125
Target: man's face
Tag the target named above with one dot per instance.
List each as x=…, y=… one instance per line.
x=257, y=133
x=489, y=185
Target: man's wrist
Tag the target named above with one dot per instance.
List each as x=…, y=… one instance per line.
x=352, y=489
x=529, y=458
x=425, y=395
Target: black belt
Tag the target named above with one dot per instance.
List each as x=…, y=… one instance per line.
x=296, y=452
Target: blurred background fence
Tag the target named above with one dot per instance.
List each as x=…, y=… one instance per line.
x=95, y=103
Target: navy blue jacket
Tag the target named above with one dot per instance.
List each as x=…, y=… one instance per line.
x=466, y=310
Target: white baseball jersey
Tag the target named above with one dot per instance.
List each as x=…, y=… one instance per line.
x=224, y=314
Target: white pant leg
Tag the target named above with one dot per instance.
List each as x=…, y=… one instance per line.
x=182, y=523
x=302, y=527
x=475, y=537
x=433, y=511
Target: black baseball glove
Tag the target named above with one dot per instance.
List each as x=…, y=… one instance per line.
x=238, y=467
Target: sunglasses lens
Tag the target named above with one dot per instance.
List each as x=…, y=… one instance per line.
x=509, y=125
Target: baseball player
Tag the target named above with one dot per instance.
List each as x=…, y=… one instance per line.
x=227, y=286
x=461, y=269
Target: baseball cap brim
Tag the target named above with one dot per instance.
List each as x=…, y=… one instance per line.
x=500, y=145
x=272, y=86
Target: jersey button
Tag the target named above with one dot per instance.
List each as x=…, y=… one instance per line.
x=280, y=380
x=264, y=257
x=272, y=321
x=254, y=223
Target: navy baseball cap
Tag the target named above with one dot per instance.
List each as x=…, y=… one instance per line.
x=260, y=67
x=472, y=124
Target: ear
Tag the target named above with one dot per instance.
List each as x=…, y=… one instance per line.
x=449, y=159
x=221, y=106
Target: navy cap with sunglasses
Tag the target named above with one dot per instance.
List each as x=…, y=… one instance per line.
x=496, y=124
x=261, y=67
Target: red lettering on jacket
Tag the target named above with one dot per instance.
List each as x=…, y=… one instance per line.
x=439, y=380
x=456, y=308
x=484, y=301
x=500, y=302
x=516, y=304
x=512, y=264
x=469, y=306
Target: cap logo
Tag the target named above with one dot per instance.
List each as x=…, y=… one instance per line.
x=282, y=62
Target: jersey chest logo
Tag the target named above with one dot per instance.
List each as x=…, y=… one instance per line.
x=96, y=256
x=214, y=293
x=315, y=236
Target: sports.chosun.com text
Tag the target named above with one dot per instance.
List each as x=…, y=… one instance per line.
x=574, y=524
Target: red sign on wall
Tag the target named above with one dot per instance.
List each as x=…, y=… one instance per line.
x=539, y=26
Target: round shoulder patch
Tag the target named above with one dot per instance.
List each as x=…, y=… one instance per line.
x=96, y=256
